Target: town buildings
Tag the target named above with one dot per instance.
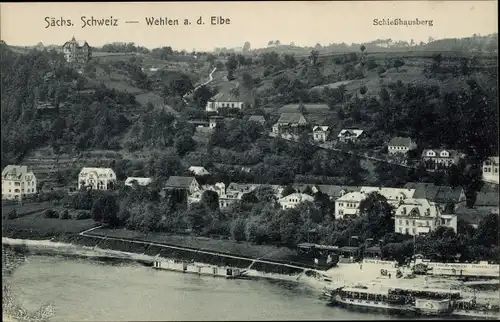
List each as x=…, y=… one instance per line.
x=224, y=100
x=443, y=196
x=290, y=124
x=97, y=179
x=131, y=181
x=75, y=52
x=17, y=182
x=292, y=200
x=421, y=216
x=436, y=159
x=394, y=196
x=214, y=121
x=490, y=170
x=321, y=133
x=487, y=201
x=349, y=135
x=399, y=146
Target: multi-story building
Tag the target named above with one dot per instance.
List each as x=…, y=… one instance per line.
x=97, y=178
x=443, y=196
x=76, y=52
x=435, y=159
x=348, y=204
x=224, y=100
x=420, y=216
x=490, y=170
x=400, y=146
x=292, y=200
x=394, y=196
x=189, y=184
x=17, y=182
x=290, y=123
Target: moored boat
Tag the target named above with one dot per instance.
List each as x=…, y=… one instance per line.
x=470, y=308
x=200, y=269
x=396, y=300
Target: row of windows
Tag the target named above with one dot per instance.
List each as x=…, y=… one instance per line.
x=22, y=190
x=348, y=205
x=228, y=105
x=407, y=230
x=488, y=169
x=398, y=148
x=407, y=222
x=18, y=183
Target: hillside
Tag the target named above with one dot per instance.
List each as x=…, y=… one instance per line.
x=126, y=110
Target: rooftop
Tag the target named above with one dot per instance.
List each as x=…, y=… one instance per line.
x=179, y=182
x=401, y=141
x=14, y=172
x=291, y=118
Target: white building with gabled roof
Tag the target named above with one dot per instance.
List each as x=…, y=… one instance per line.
x=349, y=135
x=320, y=133
x=97, y=178
x=17, y=182
x=292, y=200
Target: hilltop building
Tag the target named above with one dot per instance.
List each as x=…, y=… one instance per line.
x=75, y=51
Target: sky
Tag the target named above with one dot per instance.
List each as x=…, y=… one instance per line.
x=304, y=23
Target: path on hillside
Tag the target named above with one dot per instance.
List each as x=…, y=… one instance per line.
x=210, y=78
x=328, y=147
x=87, y=233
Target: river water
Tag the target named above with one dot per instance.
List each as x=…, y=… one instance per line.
x=87, y=290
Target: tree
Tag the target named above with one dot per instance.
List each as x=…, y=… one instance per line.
x=202, y=95
x=107, y=69
x=270, y=43
x=362, y=48
x=105, y=210
x=288, y=191
x=247, y=81
x=184, y=143
x=487, y=230
x=277, y=43
x=195, y=217
x=210, y=199
x=314, y=56
x=246, y=47
x=398, y=62
x=238, y=229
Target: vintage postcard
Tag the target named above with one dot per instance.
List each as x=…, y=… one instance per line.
x=325, y=160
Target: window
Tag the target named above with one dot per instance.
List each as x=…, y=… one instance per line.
x=400, y=230
x=400, y=222
x=413, y=223
x=414, y=230
x=407, y=222
x=407, y=231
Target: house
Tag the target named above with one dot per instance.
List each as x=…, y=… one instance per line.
x=487, y=201
x=320, y=133
x=441, y=195
x=131, y=181
x=420, y=216
x=75, y=52
x=17, y=182
x=401, y=145
x=315, y=108
x=258, y=119
x=214, y=121
x=292, y=200
x=198, y=171
x=97, y=178
x=490, y=170
x=348, y=204
x=349, y=135
x=394, y=196
x=188, y=184
x=289, y=123
x=435, y=159
x=224, y=100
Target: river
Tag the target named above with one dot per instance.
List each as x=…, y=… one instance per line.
x=87, y=290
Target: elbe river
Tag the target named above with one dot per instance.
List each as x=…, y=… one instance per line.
x=87, y=290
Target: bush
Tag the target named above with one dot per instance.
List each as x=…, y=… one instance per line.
x=82, y=215
x=11, y=214
x=50, y=213
x=64, y=214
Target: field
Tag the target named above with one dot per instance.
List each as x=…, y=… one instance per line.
x=36, y=226
x=26, y=208
x=207, y=244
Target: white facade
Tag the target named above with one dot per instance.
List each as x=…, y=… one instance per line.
x=420, y=216
x=137, y=180
x=320, y=133
x=440, y=157
x=348, y=204
x=490, y=170
x=74, y=52
x=291, y=201
x=97, y=178
x=17, y=182
x=223, y=100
